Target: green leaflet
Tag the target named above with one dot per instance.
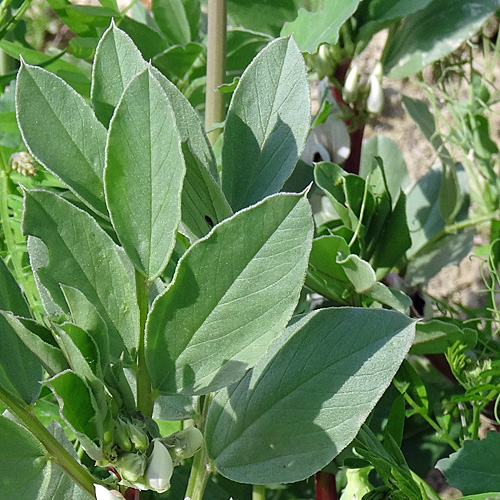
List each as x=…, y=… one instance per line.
x=333, y=365
x=475, y=467
x=312, y=28
x=62, y=132
x=22, y=460
x=266, y=125
x=117, y=60
x=434, y=32
x=11, y=297
x=230, y=297
x=82, y=255
x=144, y=174
x=20, y=370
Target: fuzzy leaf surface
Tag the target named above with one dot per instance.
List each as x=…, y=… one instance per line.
x=266, y=125
x=39, y=341
x=144, y=174
x=203, y=203
x=230, y=297
x=307, y=398
x=22, y=460
x=83, y=256
x=62, y=133
x=11, y=297
x=117, y=60
x=189, y=125
x=20, y=370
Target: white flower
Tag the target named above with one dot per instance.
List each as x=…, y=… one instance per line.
x=102, y=493
x=159, y=469
x=375, y=101
x=329, y=141
x=350, y=90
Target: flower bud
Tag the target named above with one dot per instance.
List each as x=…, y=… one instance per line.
x=122, y=438
x=350, y=90
x=183, y=444
x=378, y=71
x=138, y=437
x=357, y=484
x=102, y=493
x=131, y=466
x=325, y=64
x=160, y=468
x=375, y=101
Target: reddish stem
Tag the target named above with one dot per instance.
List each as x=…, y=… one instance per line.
x=326, y=488
x=352, y=163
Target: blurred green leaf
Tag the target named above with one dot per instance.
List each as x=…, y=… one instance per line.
x=310, y=29
x=434, y=32
x=474, y=468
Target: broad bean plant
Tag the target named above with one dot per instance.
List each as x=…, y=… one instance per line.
x=172, y=290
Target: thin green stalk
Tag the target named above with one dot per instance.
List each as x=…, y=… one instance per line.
x=431, y=422
x=216, y=66
x=12, y=247
x=258, y=492
x=55, y=451
x=144, y=394
x=202, y=465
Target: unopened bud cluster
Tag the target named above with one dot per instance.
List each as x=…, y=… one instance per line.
x=142, y=462
x=353, y=90
x=23, y=163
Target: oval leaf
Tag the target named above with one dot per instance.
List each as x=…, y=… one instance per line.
x=266, y=125
x=201, y=339
x=144, y=164
x=306, y=400
x=62, y=133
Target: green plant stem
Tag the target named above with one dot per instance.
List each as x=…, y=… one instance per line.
x=216, y=65
x=11, y=245
x=431, y=422
x=144, y=394
x=55, y=451
x=258, y=492
x=202, y=465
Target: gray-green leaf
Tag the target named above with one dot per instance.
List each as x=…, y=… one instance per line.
x=62, y=133
x=22, y=460
x=117, y=60
x=231, y=296
x=474, y=468
x=20, y=370
x=83, y=256
x=266, y=125
x=144, y=174
x=11, y=297
x=307, y=398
